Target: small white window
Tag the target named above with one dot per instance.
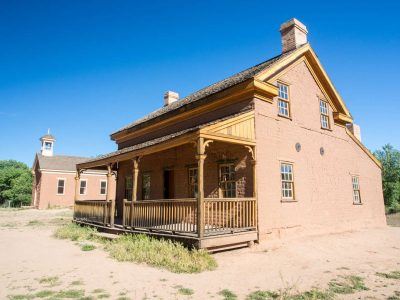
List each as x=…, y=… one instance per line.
x=47, y=145
x=283, y=100
x=60, y=186
x=323, y=108
x=83, y=187
x=287, y=181
x=103, y=187
x=356, y=190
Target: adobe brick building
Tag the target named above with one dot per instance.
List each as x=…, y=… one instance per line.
x=54, y=179
x=268, y=152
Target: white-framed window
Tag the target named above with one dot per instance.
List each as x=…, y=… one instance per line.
x=128, y=188
x=283, y=100
x=324, y=110
x=103, y=187
x=60, y=186
x=356, y=189
x=146, y=186
x=227, y=180
x=287, y=181
x=192, y=178
x=83, y=187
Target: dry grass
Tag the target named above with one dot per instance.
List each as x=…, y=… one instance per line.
x=347, y=285
x=390, y=275
x=165, y=254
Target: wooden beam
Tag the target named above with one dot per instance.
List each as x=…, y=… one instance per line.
x=77, y=176
x=135, y=173
x=200, y=186
x=108, y=196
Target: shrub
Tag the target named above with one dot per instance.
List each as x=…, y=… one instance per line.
x=75, y=232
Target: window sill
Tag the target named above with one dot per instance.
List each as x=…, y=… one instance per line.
x=285, y=117
x=328, y=129
x=357, y=203
x=288, y=200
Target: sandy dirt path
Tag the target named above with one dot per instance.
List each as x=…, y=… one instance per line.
x=28, y=252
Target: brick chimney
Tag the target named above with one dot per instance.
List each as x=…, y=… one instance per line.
x=355, y=130
x=293, y=35
x=170, y=97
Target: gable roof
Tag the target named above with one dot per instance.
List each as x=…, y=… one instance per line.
x=209, y=90
x=59, y=162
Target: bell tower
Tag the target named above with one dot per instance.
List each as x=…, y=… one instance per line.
x=47, y=144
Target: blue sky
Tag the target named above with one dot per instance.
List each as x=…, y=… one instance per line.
x=86, y=68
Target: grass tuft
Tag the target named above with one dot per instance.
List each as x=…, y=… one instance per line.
x=44, y=294
x=262, y=295
x=69, y=294
x=75, y=232
x=35, y=223
x=348, y=285
x=228, y=295
x=185, y=291
x=390, y=275
x=88, y=247
x=166, y=254
x=49, y=281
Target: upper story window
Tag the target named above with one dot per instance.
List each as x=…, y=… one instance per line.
x=60, y=186
x=103, y=187
x=324, y=110
x=128, y=188
x=287, y=181
x=146, y=185
x=283, y=100
x=83, y=187
x=227, y=180
x=356, y=190
x=192, y=179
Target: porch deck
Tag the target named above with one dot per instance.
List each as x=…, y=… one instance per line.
x=227, y=221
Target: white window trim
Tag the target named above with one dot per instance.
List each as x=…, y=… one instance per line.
x=105, y=187
x=221, y=193
x=86, y=187
x=65, y=184
x=286, y=199
x=289, y=109
x=359, y=189
x=327, y=115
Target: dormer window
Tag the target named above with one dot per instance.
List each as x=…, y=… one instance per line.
x=283, y=100
x=47, y=145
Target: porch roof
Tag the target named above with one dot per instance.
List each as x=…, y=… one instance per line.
x=118, y=155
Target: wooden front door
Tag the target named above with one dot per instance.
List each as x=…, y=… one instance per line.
x=169, y=184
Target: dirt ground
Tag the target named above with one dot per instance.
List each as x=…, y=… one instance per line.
x=31, y=260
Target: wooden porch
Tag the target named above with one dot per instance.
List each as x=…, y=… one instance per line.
x=227, y=218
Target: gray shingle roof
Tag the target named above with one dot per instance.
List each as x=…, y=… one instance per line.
x=162, y=139
x=207, y=91
x=59, y=162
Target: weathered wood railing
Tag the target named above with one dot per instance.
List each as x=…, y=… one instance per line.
x=93, y=211
x=229, y=215
x=226, y=215
x=176, y=215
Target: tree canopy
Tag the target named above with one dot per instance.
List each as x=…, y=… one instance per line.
x=390, y=159
x=15, y=183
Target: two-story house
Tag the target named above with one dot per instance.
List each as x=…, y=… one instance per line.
x=269, y=151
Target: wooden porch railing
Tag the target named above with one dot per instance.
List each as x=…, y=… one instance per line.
x=226, y=215
x=176, y=215
x=229, y=215
x=94, y=211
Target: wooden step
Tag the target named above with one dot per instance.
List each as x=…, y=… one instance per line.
x=105, y=235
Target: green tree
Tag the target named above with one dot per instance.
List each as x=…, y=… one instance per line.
x=15, y=183
x=390, y=159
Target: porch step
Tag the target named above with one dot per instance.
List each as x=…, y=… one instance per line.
x=108, y=236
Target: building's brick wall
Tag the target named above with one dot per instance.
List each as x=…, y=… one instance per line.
x=323, y=187
x=179, y=159
x=47, y=189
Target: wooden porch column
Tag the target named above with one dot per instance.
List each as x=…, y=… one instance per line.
x=135, y=173
x=108, y=196
x=201, y=156
x=77, y=177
